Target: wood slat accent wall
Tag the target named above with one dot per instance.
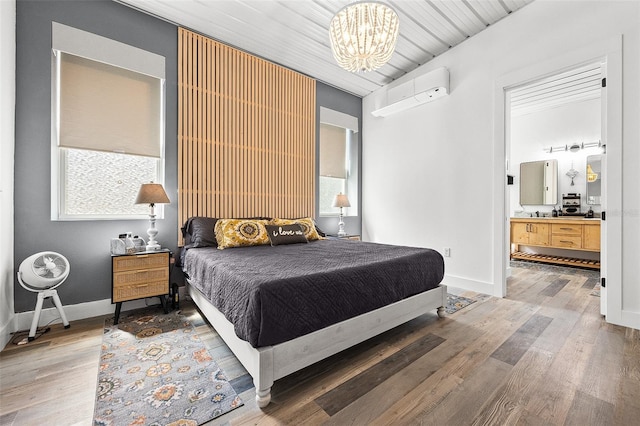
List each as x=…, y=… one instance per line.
x=246, y=134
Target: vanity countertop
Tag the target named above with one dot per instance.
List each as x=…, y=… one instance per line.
x=559, y=219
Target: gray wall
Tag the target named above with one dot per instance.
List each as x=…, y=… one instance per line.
x=337, y=100
x=84, y=243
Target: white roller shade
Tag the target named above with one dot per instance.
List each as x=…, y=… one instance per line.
x=333, y=150
x=108, y=108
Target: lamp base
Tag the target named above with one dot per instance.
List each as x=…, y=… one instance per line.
x=153, y=247
x=341, y=231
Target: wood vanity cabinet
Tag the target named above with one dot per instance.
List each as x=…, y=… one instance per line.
x=530, y=233
x=559, y=233
x=566, y=235
x=591, y=237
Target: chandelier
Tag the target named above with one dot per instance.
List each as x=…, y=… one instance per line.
x=363, y=35
x=591, y=175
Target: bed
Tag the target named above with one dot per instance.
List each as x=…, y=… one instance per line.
x=282, y=308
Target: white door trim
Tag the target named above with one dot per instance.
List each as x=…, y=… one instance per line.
x=609, y=51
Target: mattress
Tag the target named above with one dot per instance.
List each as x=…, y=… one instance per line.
x=275, y=294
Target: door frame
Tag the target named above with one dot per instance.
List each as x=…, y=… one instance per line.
x=608, y=51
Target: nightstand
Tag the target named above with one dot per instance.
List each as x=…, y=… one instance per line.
x=139, y=275
x=354, y=237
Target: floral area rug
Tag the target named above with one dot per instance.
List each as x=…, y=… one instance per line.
x=154, y=370
x=455, y=303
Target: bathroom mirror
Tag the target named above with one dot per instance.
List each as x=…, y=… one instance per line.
x=539, y=183
x=594, y=179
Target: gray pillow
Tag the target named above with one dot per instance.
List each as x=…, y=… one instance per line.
x=198, y=232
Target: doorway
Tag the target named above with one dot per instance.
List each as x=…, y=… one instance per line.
x=553, y=139
x=609, y=53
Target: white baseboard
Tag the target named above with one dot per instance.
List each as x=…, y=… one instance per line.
x=5, y=332
x=467, y=284
x=22, y=320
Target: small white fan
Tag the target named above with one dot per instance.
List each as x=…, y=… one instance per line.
x=42, y=273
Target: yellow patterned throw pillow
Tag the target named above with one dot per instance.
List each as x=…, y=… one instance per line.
x=307, y=224
x=241, y=233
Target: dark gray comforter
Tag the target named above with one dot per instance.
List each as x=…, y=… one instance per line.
x=275, y=294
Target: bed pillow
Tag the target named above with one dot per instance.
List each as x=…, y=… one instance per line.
x=241, y=233
x=199, y=232
x=285, y=234
x=307, y=224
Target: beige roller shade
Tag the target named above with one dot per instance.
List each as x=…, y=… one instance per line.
x=338, y=119
x=333, y=150
x=108, y=108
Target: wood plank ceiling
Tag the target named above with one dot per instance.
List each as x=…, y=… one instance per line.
x=578, y=84
x=294, y=33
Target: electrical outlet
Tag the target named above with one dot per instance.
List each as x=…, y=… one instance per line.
x=447, y=252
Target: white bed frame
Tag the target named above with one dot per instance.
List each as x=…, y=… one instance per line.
x=270, y=363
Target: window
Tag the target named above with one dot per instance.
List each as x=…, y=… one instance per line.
x=338, y=161
x=108, y=126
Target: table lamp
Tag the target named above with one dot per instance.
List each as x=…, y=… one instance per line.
x=152, y=193
x=341, y=201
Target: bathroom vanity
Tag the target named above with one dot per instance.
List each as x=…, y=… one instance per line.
x=564, y=233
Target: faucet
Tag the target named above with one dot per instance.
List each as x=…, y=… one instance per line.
x=537, y=213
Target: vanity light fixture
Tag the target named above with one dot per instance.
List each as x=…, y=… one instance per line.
x=574, y=147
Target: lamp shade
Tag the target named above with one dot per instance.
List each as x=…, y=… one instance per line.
x=152, y=193
x=341, y=200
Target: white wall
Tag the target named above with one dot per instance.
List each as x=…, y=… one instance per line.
x=7, y=137
x=428, y=173
x=532, y=135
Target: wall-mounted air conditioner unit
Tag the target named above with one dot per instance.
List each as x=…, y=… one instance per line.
x=417, y=91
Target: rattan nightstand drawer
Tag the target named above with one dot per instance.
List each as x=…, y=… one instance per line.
x=140, y=275
x=141, y=261
x=140, y=290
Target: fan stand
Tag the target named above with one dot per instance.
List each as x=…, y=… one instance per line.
x=45, y=294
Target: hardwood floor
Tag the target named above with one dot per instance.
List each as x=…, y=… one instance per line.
x=542, y=356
